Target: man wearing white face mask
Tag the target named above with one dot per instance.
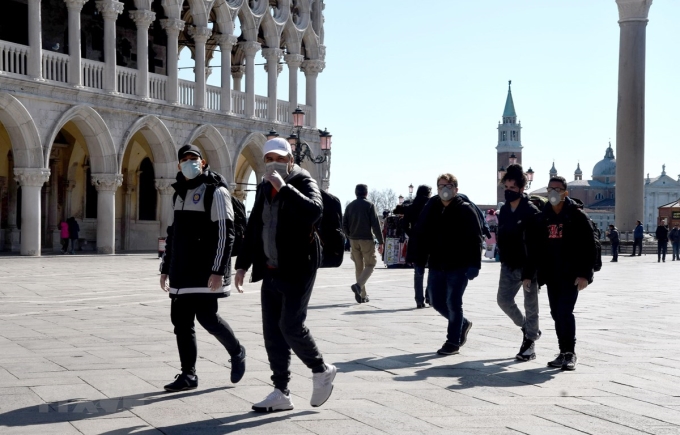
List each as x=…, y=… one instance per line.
x=284, y=249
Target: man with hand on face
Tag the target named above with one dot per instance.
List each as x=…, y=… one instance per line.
x=449, y=241
x=282, y=245
x=517, y=216
x=565, y=252
x=197, y=260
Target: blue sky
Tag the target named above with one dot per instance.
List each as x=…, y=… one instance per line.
x=414, y=89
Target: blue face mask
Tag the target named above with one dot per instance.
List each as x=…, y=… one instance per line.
x=191, y=168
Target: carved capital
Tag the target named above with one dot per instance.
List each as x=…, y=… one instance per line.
x=273, y=54
x=110, y=9
x=294, y=60
x=172, y=26
x=633, y=10
x=226, y=41
x=107, y=182
x=142, y=19
x=238, y=70
x=250, y=48
x=313, y=66
x=31, y=177
x=75, y=5
x=200, y=34
x=164, y=186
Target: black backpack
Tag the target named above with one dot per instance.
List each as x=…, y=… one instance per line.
x=330, y=232
x=486, y=231
x=597, y=263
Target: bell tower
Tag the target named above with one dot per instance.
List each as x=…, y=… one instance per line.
x=509, y=139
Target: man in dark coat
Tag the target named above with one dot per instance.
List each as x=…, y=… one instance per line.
x=662, y=241
x=282, y=246
x=614, y=238
x=409, y=222
x=638, y=235
x=73, y=232
x=674, y=237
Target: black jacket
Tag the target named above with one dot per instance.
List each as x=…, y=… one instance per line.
x=412, y=214
x=577, y=247
x=513, y=236
x=447, y=238
x=662, y=234
x=673, y=236
x=297, y=243
x=198, y=246
x=614, y=236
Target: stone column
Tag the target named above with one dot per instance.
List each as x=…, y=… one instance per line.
x=106, y=185
x=69, y=185
x=110, y=9
x=143, y=19
x=53, y=209
x=74, y=68
x=3, y=193
x=630, y=122
x=127, y=219
x=250, y=48
x=226, y=43
x=172, y=28
x=167, y=214
x=312, y=68
x=273, y=56
x=294, y=61
x=237, y=72
x=35, y=40
x=200, y=35
x=13, y=234
x=31, y=181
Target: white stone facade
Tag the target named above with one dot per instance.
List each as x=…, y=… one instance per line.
x=98, y=141
x=659, y=191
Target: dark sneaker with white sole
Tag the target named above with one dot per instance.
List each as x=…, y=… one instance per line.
x=464, y=333
x=182, y=382
x=558, y=361
x=526, y=351
x=570, y=361
x=356, y=288
x=448, y=349
x=238, y=366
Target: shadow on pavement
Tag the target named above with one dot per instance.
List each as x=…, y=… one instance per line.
x=351, y=313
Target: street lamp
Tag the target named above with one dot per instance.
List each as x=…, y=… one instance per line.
x=513, y=160
x=301, y=149
x=410, y=190
x=272, y=134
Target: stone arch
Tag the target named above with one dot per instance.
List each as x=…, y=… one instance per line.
x=210, y=139
x=249, y=27
x=311, y=42
x=223, y=16
x=98, y=140
x=161, y=142
x=249, y=158
x=292, y=38
x=301, y=14
x=23, y=133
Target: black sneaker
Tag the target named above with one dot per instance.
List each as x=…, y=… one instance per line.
x=420, y=305
x=448, y=349
x=356, y=288
x=464, y=333
x=183, y=382
x=238, y=366
x=526, y=351
x=557, y=362
x=427, y=301
x=570, y=361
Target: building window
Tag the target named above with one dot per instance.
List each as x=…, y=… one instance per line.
x=599, y=196
x=504, y=136
x=147, y=195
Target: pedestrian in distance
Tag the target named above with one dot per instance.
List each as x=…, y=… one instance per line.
x=73, y=232
x=410, y=220
x=449, y=242
x=518, y=269
x=661, y=241
x=565, y=250
x=360, y=223
x=614, y=239
x=64, y=236
x=638, y=234
x=674, y=237
x=283, y=247
x=196, y=266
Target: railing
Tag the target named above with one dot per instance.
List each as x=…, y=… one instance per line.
x=13, y=58
x=238, y=103
x=213, y=97
x=93, y=73
x=283, y=112
x=186, y=92
x=307, y=109
x=127, y=80
x=55, y=66
x=157, y=86
x=261, y=107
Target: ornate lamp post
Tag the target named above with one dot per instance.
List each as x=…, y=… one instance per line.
x=301, y=149
x=410, y=191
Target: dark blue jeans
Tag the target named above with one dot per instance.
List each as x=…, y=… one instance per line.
x=418, y=279
x=615, y=250
x=446, y=290
x=562, y=296
x=676, y=250
x=661, y=248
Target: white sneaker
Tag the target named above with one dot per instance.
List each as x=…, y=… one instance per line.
x=275, y=401
x=323, y=385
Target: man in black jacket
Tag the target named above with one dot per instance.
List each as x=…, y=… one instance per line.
x=565, y=252
x=661, y=241
x=517, y=268
x=197, y=261
x=283, y=247
x=449, y=241
x=409, y=222
x=614, y=239
x=673, y=236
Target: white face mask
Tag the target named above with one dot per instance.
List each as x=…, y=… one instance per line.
x=446, y=193
x=191, y=168
x=281, y=168
x=554, y=198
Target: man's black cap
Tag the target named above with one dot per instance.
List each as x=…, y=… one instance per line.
x=188, y=149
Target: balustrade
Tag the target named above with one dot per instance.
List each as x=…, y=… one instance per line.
x=186, y=92
x=93, y=73
x=283, y=112
x=238, y=103
x=55, y=66
x=157, y=86
x=13, y=58
x=213, y=98
x=261, y=104
x=307, y=109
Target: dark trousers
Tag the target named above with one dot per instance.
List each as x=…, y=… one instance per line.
x=676, y=250
x=661, y=249
x=284, y=311
x=562, y=297
x=446, y=290
x=204, y=309
x=637, y=242
x=64, y=244
x=615, y=250
x=418, y=279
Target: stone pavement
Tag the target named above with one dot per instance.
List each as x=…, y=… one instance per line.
x=86, y=345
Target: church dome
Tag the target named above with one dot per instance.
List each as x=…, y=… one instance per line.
x=607, y=166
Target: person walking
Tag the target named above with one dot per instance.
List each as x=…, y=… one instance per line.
x=449, y=241
x=661, y=241
x=196, y=266
x=73, y=232
x=410, y=220
x=64, y=235
x=638, y=234
x=518, y=270
x=283, y=247
x=674, y=237
x=613, y=235
x=565, y=251
x=362, y=226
